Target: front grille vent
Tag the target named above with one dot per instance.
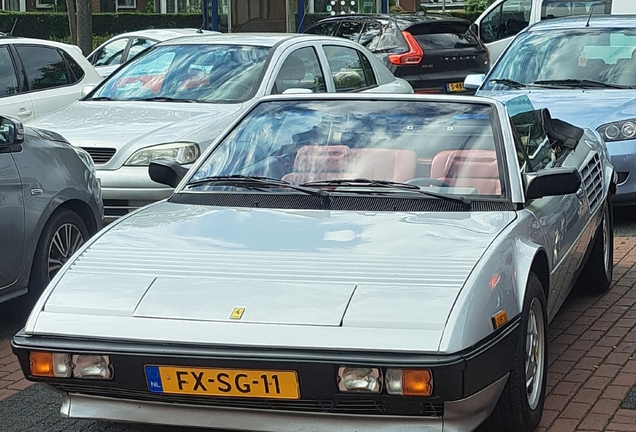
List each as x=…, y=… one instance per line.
x=592, y=177
x=100, y=155
x=357, y=406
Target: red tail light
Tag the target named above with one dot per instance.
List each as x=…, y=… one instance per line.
x=412, y=57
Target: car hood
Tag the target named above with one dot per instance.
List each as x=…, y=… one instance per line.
x=585, y=108
x=310, y=278
x=139, y=124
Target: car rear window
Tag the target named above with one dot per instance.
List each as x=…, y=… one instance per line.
x=444, y=36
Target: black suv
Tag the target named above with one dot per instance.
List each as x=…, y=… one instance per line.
x=433, y=53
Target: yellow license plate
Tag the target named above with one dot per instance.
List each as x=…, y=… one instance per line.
x=222, y=382
x=456, y=87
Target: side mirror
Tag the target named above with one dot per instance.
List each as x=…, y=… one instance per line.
x=11, y=131
x=297, y=91
x=474, y=81
x=474, y=28
x=552, y=182
x=166, y=172
x=87, y=89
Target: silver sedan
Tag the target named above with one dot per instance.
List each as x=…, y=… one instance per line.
x=50, y=204
x=174, y=99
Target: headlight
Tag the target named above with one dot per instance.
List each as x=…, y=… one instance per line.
x=356, y=379
x=618, y=131
x=86, y=158
x=65, y=365
x=182, y=152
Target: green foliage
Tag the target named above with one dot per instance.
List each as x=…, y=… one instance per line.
x=52, y=25
x=150, y=7
x=476, y=5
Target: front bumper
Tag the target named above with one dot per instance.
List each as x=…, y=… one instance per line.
x=623, y=158
x=466, y=386
x=127, y=189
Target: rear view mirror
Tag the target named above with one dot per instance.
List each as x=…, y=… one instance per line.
x=474, y=28
x=552, y=182
x=11, y=131
x=166, y=172
x=474, y=81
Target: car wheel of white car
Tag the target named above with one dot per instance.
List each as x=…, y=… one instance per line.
x=596, y=277
x=64, y=233
x=521, y=403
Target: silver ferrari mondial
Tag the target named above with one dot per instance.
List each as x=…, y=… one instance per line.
x=337, y=263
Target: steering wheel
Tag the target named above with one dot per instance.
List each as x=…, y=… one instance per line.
x=426, y=181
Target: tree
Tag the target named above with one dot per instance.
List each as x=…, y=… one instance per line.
x=81, y=24
x=72, y=21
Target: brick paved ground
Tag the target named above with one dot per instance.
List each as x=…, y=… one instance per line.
x=592, y=361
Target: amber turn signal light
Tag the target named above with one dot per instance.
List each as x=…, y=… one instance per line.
x=409, y=382
x=41, y=363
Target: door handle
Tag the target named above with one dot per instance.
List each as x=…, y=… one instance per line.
x=23, y=112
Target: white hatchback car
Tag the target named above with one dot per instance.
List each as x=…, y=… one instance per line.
x=174, y=99
x=121, y=48
x=39, y=76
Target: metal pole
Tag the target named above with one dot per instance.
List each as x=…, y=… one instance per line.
x=215, y=14
x=301, y=16
x=443, y=6
x=385, y=6
x=204, y=12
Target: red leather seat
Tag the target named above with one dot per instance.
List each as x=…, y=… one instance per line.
x=468, y=168
x=317, y=163
x=384, y=164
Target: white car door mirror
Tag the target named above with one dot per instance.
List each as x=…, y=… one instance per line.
x=297, y=91
x=86, y=90
x=474, y=81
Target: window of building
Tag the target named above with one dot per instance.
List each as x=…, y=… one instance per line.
x=126, y=4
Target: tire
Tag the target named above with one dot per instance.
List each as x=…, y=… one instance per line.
x=520, y=406
x=596, y=276
x=64, y=233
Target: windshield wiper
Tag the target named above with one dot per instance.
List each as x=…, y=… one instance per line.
x=508, y=82
x=164, y=99
x=255, y=181
x=101, y=98
x=465, y=202
x=580, y=83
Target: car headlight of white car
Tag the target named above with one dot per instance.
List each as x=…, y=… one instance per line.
x=618, y=131
x=181, y=152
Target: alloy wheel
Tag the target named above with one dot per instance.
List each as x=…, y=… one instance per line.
x=66, y=240
x=535, y=353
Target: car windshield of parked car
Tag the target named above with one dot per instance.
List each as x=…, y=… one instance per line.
x=189, y=73
x=446, y=147
x=591, y=57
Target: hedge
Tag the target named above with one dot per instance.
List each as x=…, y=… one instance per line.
x=54, y=25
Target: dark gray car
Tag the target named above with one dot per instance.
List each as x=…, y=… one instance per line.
x=50, y=204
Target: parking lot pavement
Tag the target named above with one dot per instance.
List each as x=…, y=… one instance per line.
x=592, y=365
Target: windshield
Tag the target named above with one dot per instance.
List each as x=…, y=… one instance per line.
x=606, y=56
x=193, y=73
x=443, y=147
